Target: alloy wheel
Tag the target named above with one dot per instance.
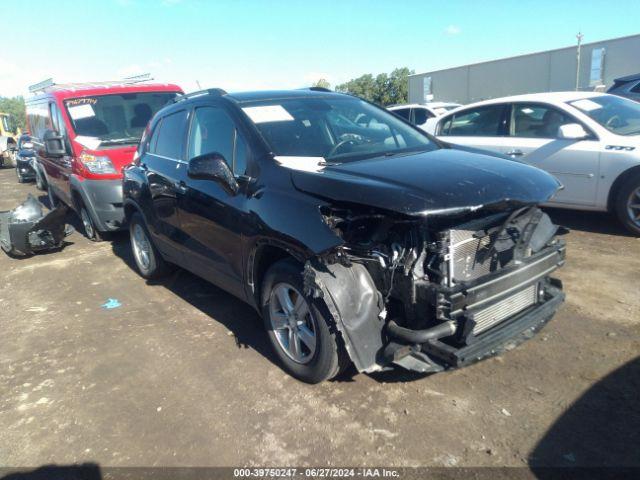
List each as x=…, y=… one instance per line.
x=87, y=223
x=292, y=323
x=633, y=206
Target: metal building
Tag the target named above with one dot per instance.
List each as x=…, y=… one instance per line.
x=553, y=70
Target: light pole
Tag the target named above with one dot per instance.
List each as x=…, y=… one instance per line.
x=579, y=36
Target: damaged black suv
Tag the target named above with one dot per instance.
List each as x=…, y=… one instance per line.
x=357, y=237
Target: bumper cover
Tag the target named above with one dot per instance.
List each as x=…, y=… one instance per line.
x=103, y=199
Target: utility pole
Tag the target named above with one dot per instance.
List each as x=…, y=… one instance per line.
x=579, y=36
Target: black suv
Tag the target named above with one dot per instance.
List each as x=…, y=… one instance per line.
x=628, y=87
x=357, y=237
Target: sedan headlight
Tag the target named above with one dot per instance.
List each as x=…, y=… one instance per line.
x=97, y=164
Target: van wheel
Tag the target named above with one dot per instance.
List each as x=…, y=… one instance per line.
x=149, y=261
x=628, y=204
x=90, y=230
x=301, y=336
x=53, y=200
x=40, y=184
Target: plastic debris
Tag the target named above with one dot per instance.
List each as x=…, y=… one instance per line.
x=111, y=303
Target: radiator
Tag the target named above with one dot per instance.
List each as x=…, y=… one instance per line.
x=496, y=313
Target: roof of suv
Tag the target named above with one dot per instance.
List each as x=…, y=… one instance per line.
x=254, y=96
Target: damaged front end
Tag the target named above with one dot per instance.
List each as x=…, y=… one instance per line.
x=438, y=290
x=26, y=230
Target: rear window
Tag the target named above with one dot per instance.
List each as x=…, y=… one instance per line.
x=117, y=118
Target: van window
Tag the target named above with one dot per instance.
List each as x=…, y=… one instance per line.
x=117, y=118
x=39, y=119
x=171, y=133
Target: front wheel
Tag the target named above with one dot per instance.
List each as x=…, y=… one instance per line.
x=307, y=344
x=628, y=204
x=90, y=229
x=40, y=183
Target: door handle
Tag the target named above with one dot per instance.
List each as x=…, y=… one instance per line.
x=515, y=153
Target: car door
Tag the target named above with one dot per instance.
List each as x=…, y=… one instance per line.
x=211, y=216
x=533, y=138
x=165, y=167
x=62, y=165
x=483, y=127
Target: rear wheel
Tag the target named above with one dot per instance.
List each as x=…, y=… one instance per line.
x=628, y=204
x=40, y=183
x=304, y=340
x=149, y=261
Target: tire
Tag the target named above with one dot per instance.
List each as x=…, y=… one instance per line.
x=90, y=229
x=20, y=179
x=311, y=364
x=53, y=200
x=150, y=265
x=40, y=182
x=627, y=206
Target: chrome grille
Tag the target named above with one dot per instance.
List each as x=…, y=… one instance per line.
x=504, y=309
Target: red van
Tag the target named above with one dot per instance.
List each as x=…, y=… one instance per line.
x=83, y=135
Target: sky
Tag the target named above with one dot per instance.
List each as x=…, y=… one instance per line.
x=250, y=44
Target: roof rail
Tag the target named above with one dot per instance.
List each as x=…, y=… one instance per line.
x=218, y=92
x=49, y=84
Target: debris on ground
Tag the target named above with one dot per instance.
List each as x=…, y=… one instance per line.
x=111, y=303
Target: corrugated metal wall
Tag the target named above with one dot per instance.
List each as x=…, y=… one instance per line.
x=554, y=70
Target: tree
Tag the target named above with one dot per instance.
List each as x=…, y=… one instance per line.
x=15, y=108
x=382, y=89
x=322, y=83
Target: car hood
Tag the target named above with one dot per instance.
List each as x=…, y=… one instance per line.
x=439, y=182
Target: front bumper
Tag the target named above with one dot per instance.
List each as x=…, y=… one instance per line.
x=103, y=199
x=489, y=315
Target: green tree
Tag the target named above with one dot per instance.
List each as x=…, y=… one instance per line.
x=14, y=106
x=383, y=89
x=323, y=83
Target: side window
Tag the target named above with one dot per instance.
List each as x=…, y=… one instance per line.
x=171, y=133
x=240, y=155
x=153, y=141
x=57, y=120
x=212, y=131
x=636, y=89
x=478, y=122
x=421, y=115
x=403, y=112
x=537, y=121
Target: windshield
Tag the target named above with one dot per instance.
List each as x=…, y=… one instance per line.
x=336, y=129
x=115, y=119
x=616, y=114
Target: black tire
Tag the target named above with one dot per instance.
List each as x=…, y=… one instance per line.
x=90, y=229
x=630, y=187
x=156, y=267
x=330, y=357
x=41, y=184
x=53, y=199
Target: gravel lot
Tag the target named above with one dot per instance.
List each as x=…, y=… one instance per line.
x=182, y=375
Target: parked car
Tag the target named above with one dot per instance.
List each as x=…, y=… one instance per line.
x=83, y=135
x=589, y=141
x=628, y=87
x=371, y=244
x=24, y=158
x=418, y=114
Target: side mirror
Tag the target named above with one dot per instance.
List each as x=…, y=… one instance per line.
x=213, y=166
x=572, y=131
x=54, y=144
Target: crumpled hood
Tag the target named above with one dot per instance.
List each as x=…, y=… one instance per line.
x=430, y=183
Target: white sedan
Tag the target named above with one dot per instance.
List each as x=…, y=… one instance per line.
x=589, y=141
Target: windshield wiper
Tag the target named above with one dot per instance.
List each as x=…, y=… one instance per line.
x=121, y=141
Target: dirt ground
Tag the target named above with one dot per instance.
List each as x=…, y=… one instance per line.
x=181, y=373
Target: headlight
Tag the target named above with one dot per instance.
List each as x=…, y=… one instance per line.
x=97, y=164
